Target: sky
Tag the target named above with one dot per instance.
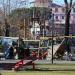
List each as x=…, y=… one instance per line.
x=56, y=1
x=60, y=2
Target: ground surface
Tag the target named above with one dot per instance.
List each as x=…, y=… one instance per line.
x=38, y=73
x=55, y=69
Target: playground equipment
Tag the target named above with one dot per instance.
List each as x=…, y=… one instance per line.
x=56, y=48
x=23, y=63
x=42, y=46
x=15, y=64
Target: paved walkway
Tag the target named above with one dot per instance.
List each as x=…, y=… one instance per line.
x=55, y=62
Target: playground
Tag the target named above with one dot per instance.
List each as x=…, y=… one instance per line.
x=38, y=60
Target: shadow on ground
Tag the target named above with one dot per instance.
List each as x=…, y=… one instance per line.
x=45, y=69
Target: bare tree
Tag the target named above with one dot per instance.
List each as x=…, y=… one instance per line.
x=7, y=28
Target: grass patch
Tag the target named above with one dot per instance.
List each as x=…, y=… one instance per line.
x=51, y=69
x=38, y=73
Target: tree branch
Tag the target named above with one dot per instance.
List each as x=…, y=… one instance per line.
x=72, y=6
x=65, y=1
x=71, y=3
x=66, y=4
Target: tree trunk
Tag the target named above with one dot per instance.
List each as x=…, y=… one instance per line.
x=7, y=28
x=67, y=25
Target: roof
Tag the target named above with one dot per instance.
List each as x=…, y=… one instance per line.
x=55, y=5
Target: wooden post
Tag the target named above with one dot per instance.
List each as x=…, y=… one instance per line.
x=33, y=66
x=24, y=29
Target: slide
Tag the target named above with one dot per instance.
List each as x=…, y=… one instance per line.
x=56, y=48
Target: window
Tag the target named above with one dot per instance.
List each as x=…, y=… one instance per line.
x=56, y=9
x=73, y=17
x=63, y=9
x=62, y=17
x=74, y=10
x=56, y=17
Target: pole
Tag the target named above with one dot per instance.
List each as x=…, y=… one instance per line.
x=34, y=29
x=24, y=28
x=52, y=35
x=52, y=47
x=43, y=33
x=34, y=21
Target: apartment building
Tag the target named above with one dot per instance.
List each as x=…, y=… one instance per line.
x=59, y=19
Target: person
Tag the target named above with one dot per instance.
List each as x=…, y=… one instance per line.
x=27, y=53
x=34, y=55
x=45, y=54
x=70, y=56
x=21, y=52
x=15, y=51
x=9, y=53
x=66, y=54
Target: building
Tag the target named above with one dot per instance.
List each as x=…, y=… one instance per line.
x=42, y=3
x=59, y=19
x=41, y=29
